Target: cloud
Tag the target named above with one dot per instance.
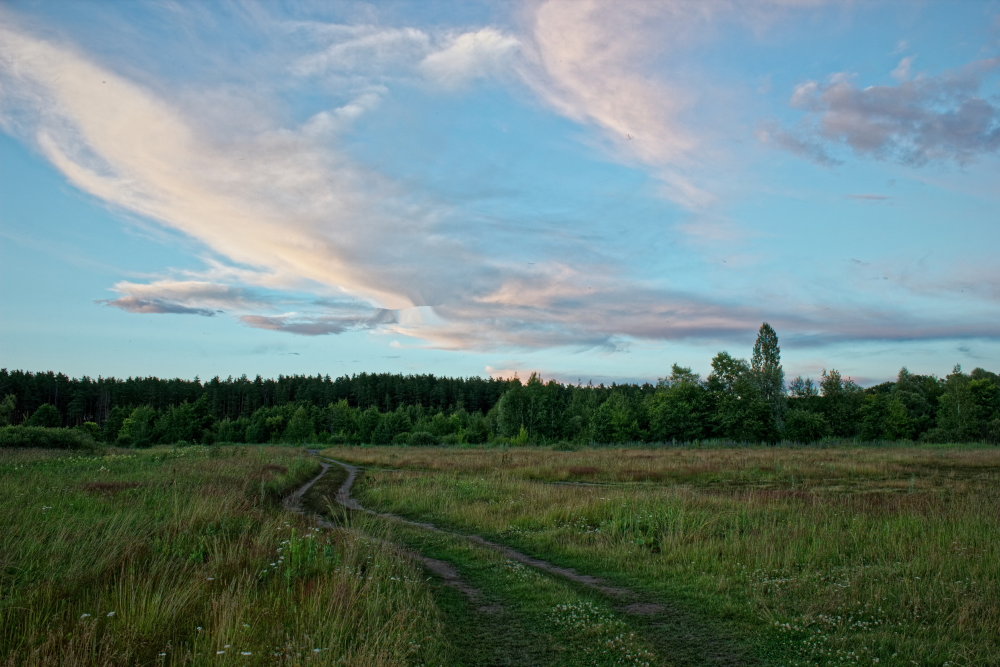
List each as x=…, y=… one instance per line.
x=136, y=305
x=869, y=197
x=185, y=297
x=468, y=56
x=305, y=240
x=772, y=133
x=305, y=325
x=919, y=120
x=367, y=55
x=623, y=69
x=275, y=199
x=904, y=69
x=588, y=70
x=364, y=49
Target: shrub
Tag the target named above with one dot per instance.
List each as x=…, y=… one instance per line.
x=44, y=437
x=805, y=426
x=423, y=438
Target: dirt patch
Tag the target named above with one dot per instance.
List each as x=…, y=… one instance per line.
x=109, y=488
x=642, y=475
x=449, y=575
x=644, y=608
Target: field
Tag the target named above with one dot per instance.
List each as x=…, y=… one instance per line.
x=825, y=556
x=179, y=556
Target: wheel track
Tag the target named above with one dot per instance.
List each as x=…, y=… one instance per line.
x=659, y=618
x=443, y=569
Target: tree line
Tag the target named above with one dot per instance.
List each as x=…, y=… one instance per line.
x=739, y=401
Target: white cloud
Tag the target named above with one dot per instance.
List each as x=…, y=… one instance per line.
x=468, y=56
x=295, y=213
x=622, y=68
x=365, y=49
x=904, y=69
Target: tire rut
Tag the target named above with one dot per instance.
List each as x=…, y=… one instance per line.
x=676, y=632
x=632, y=602
x=443, y=569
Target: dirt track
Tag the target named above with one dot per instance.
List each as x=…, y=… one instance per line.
x=673, y=630
x=633, y=602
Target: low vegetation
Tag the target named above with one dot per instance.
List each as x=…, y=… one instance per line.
x=812, y=556
x=179, y=556
x=711, y=556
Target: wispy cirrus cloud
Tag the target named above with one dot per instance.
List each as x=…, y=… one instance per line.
x=617, y=67
x=470, y=55
x=299, y=216
x=367, y=56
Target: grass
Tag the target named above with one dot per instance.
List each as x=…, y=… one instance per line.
x=811, y=556
x=786, y=556
x=178, y=556
x=510, y=614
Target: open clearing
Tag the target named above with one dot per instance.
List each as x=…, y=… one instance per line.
x=445, y=556
x=785, y=556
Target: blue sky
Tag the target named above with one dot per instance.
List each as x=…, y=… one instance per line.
x=591, y=190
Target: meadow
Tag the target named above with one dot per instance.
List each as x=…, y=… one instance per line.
x=822, y=556
x=716, y=556
x=185, y=556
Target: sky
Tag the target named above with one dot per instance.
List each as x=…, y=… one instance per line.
x=588, y=189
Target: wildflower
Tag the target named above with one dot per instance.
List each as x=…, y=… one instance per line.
x=220, y=653
x=110, y=614
x=199, y=628
x=246, y=652
x=210, y=578
x=84, y=615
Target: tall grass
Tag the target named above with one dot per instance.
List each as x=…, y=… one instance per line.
x=821, y=556
x=183, y=555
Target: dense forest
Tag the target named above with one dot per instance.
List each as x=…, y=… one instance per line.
x=740, y=401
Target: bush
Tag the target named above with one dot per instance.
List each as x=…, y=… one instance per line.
x=423, y=438
x=805, y=426
x=45, y=438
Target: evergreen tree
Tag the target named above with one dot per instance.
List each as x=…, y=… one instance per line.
x=7, y=408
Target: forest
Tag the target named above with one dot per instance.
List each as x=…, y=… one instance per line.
x=739, y=401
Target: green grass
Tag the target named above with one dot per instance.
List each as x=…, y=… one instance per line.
x=508, y=613
x=772, y=555
x=177, y=556
x=811, y=556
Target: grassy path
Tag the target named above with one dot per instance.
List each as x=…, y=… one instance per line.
x=507, y=607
